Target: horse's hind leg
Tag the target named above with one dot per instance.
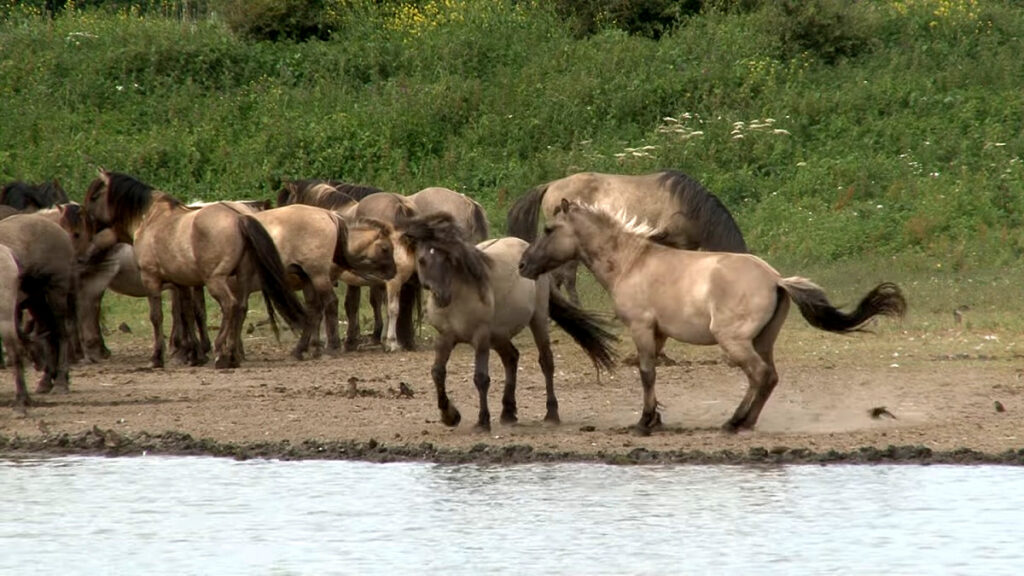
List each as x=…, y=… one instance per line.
x=311, y=327
x=541, y=337
x=330, y=315
x=352, y=297
x=482, y=380
x=156, y=318
x=226, y=345
x=761, y=380
x=510, y=361
x=439, y=372
x=378, y=296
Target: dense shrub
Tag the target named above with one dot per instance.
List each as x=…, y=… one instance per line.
x=272, y=20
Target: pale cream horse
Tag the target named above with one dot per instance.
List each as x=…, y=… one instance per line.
x=734, y=300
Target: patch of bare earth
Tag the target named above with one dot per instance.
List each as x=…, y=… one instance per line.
x=953, y=397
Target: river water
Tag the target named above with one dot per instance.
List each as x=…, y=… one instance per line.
x=194, y=515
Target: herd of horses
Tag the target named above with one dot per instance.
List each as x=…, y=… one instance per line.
x=668, y=252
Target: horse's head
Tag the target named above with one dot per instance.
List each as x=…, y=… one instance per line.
x=75, y=220
x=116, y=202
x=556, y=246
x=443, y=255
x=371, y=251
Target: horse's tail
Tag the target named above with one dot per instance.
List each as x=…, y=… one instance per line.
x=715, y=227
x=589, y=331
x=522, y=216
x=410, y=312
x=271, y=271
x=341, y=244
x=886, y=299
x=481, y=227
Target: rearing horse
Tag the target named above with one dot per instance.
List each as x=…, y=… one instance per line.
x=680, y=210
x=216, y=246
x=736, y=301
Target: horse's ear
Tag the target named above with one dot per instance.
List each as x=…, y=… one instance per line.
x=565, y=205
x=104, y=175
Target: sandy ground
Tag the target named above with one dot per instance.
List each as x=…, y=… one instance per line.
x=951, y=396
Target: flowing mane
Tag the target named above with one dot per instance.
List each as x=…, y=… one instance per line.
x=719, y=231
x=329, y=194
x=440, y=233
x=629, y=224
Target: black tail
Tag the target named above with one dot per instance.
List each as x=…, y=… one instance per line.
x=410, y=300
x=886, y=299
x=271, y=271
x=589, y=331
x=523, y=215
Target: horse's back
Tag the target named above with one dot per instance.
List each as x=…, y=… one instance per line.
x=40, y=245
x=468, y=213
x=515, y=297
x=386, y=206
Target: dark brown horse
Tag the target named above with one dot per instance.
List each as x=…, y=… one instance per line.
x=340, y=197
x=30, y=197
x=681, y=211
x=734, y=300
x=216, y=246
x=37, y=273
x=477, y=297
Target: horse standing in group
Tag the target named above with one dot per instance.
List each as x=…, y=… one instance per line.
x=681, y=211
x=401, y=294
x=215, y=246
x=316, y=247
x=27, y=197
x=36, y=272
x=477, y=297
x=734, y=300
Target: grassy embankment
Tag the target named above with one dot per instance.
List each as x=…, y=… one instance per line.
x=883, y=142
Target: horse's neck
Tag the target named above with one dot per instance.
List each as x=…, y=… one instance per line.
x=608, y=251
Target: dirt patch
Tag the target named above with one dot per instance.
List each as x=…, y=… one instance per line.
x=956, y=397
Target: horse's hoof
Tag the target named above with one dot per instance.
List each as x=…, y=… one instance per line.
x=552, y=419
x=222, y=363
x=509, y=418
x=44, y=388
x=393, y=347
x=731, y=428
x=482, y=427
x=297, y=354
x=451, y=417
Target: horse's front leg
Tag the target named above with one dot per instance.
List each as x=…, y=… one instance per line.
x=394, y=289
x=482, y=380
x=330, y=305
x=378, y=296
x=311, y=327
x=156, y=318
x=439, y=372
x=510, y=361
x=647, y=353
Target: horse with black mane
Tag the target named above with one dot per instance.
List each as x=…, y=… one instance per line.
x=477, y=297
x=736, y=301
x=29, y=197
x=216, y=246
x=682, y=212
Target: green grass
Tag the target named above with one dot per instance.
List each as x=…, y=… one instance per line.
x=895, y=133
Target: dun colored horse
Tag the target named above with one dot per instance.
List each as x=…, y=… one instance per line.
x=734, y=300
x=681, y=211
x=36, y=275
x=476, y=297
x=467, y=214
x=216, y=246
x=316, y=245
x=333, y=195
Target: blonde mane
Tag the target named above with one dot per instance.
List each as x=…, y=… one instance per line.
x=630, y=224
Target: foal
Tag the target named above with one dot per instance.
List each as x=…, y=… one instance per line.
x=734, y=300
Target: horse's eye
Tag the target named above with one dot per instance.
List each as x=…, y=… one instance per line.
x=548, y=229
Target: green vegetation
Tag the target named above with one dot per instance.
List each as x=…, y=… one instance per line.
x=834, y=131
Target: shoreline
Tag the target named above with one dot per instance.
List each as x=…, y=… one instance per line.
x=110, y=443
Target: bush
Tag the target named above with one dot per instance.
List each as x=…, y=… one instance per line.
x=273, y=20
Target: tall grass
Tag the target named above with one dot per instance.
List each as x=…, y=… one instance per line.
x=834, y=131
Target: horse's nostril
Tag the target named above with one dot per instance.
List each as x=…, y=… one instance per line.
x=522, y=265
